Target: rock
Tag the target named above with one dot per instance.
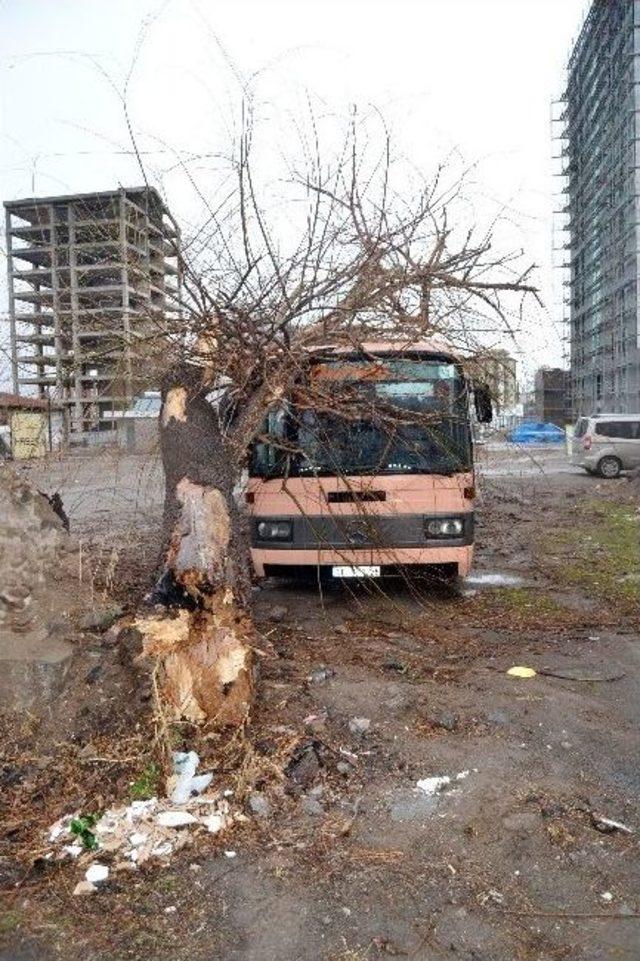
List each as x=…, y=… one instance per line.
x=316, y=722
x=321, y=674
x=101, y=618
x=447, y=721
x=278, y=613
x=92, y=676
x=259, y=805
x=359, y=725
x=311, y=806
x=392, y=664
x=304, y=766
x=344, y=768
x=84, y=887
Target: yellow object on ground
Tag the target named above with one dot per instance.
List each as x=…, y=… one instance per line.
x=519, y=671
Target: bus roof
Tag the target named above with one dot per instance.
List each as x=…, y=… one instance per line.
x=382, y=348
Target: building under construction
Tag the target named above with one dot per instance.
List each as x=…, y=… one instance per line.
x=94, y=282
x=602, y=182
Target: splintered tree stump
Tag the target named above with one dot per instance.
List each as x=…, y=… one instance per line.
x=205, y=660
x=203, y=640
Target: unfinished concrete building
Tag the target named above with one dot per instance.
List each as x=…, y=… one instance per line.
x=599, y=135
x=94, y=281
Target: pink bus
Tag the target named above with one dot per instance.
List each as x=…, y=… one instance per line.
x=352, y=496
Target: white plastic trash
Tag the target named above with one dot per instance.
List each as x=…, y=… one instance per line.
x=185, y=765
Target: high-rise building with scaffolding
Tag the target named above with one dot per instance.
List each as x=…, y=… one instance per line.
x=94, y=279
x=601, y=174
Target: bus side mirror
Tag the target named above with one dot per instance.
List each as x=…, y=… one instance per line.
x=483, y=403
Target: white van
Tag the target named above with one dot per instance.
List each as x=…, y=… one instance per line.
x=606, y=444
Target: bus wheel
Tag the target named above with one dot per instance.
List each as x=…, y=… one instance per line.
x=609, y=467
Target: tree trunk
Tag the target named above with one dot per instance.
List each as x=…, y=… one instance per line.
x=203, y=639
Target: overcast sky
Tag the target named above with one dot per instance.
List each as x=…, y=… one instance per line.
x=469, y=79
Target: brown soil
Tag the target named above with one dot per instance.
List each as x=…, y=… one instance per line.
x=352, y=861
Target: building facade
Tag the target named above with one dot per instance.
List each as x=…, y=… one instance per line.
x=499, y=371
x=602, y=185
x=552, y=396
x=94, y=280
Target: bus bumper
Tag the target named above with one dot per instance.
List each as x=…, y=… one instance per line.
x=265, y=558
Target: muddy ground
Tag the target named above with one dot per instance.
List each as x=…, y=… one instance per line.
x=342, y=857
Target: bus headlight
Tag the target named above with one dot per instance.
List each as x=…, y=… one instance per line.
x=444, y=527
x=274, y=530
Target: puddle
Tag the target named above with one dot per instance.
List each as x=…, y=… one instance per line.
x=494, y=580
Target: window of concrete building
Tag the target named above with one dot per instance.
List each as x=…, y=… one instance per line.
x=598, y=386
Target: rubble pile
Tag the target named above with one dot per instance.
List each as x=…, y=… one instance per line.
x=127, y=836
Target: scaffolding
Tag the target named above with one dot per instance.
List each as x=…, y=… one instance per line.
x=595, y=128
x=91, y=278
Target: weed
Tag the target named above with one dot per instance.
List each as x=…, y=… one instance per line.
x=146, y=786
x=604, y=551
x=82, y=827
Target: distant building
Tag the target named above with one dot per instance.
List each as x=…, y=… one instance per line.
x=551, y=397
x=601, y=129
x=499, y=371
x=92, y=279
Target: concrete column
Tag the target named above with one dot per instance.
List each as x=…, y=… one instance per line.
x=55, y=288
x=77, y=424
x=12, y=306
x=126, y=318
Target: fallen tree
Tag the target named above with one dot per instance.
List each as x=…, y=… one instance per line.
x=367, y=265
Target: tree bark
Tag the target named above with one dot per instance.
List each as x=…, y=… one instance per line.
x=203, y=638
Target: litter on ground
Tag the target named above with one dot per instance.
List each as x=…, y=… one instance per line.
x=154, y=828
x=520, y=671
x=184, y=782
x=433, y=785
x=608, y=825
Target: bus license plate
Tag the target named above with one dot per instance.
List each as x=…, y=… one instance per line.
x=356, y=571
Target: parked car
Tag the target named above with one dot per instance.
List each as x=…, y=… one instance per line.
x=536, y=433
x=606, y=444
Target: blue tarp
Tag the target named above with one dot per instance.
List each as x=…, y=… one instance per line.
x=536, y=433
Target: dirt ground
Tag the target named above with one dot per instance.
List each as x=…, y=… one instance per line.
x=343, y=858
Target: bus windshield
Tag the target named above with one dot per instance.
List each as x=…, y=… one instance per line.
x=389, y=416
